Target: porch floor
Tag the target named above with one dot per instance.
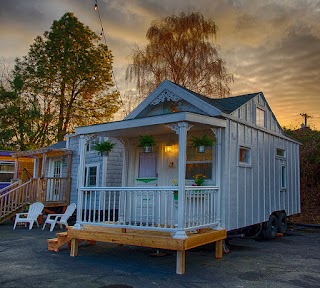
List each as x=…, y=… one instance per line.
x=152, y=239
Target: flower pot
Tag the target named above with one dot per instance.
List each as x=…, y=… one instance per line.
x=200, y=149
x=147, y=149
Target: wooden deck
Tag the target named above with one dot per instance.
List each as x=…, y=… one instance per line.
x=152, y=239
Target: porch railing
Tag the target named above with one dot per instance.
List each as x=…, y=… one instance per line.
x=154, y=208
x=49, y=191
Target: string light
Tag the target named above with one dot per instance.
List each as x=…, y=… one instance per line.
x=102, y=35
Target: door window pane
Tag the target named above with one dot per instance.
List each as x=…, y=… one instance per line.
x=147, y=165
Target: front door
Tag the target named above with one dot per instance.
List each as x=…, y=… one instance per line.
x=54, y=184
x=146, y=176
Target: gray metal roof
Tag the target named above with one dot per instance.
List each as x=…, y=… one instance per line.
x=226, y=105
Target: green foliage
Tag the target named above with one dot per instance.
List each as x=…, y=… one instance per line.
x=181, y=49
x=105, y=146
x=203, y=141
x=309, y=172
x=19, y=113
x=146, y=140
x=66, y=81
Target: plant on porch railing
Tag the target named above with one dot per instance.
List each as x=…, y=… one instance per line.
x=202, y=142
x=146, y=142
x=199, y=179
x=104, y=147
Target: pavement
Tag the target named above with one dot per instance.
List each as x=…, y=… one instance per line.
x=289, y=261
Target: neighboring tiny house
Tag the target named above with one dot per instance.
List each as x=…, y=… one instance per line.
x=11, y=170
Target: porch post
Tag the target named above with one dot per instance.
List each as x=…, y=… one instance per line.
x=82, y=165
x=35, y=167
x=217, y=207
x=181, y=130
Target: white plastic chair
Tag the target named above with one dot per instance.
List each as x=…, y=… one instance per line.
x=35, y=210
x=60, y=219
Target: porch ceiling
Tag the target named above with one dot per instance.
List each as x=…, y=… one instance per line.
x=151, y=125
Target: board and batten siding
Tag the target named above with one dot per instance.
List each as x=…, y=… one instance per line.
x=251, y=192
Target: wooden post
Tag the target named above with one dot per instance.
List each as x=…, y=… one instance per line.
x=219, y=245
x=181, y=262
x=74, y=247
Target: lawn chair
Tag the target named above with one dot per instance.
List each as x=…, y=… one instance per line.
x=60, y=219
x=35, y=210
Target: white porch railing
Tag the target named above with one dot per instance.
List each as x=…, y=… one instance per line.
x=154, y=208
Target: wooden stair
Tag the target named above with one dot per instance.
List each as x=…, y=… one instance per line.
x=55, y=243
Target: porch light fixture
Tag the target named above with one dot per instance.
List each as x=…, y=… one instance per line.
x=168, y=148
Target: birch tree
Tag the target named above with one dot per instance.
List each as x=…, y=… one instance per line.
x=181, y=49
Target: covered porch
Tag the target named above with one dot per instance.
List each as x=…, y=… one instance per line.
x=155, y=202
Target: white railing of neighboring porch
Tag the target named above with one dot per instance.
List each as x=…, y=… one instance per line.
x=154, y=208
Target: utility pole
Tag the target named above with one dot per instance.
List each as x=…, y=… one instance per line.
x=306, y=117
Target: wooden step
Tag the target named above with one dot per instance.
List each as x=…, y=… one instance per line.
x=55, y=243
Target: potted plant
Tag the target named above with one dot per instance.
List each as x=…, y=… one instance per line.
x=202, y=142
x=146, y=142
x=199, y=179
x=104, y=147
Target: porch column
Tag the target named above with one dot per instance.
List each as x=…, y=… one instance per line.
x=218, y=134
x=43, y=167
x=181, y=129
x=80, y=182
x=35, y=167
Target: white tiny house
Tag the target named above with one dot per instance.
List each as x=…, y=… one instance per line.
x=250, y=174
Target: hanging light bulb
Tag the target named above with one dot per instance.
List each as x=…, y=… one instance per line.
x=96, y=6
x=101, y=35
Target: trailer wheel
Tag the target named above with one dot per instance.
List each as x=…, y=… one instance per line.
x=270, y=230
x=282, y=223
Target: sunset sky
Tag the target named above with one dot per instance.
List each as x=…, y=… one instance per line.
x=270, y=46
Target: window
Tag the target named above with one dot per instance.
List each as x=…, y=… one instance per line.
x=199, y=163
x=91, y=144
x=260, y=117
x=6, y=171
x=244, y=155
x=283, y=177
x=280, y=152
x=91, y=175
x=148, y=165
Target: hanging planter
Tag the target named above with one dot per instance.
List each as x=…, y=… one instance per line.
x=104, y=147
x=146, y=142
x=202, y=142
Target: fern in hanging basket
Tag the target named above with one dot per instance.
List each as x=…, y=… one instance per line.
x=205, y=140
x=103, y=147
x=146, y=141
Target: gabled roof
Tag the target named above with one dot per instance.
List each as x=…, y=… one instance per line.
x=230, y=104
x=215, y=107
x=226, y=105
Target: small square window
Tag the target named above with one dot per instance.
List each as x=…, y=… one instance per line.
x=280, y=152
x=244, y=155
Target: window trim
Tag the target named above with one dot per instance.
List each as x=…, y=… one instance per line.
x=263, y=109
x=249, y=162
x=86, y=180
x=211, y=178
x=283, y=177
x=11, y=163
x=284, y=156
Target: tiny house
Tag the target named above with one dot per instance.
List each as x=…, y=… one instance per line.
x=250, y=173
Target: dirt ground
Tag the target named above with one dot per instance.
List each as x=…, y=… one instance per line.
x=289, y=261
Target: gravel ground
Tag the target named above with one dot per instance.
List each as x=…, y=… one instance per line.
x=289, y=261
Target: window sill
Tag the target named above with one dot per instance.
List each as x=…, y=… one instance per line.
x=146, y=180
